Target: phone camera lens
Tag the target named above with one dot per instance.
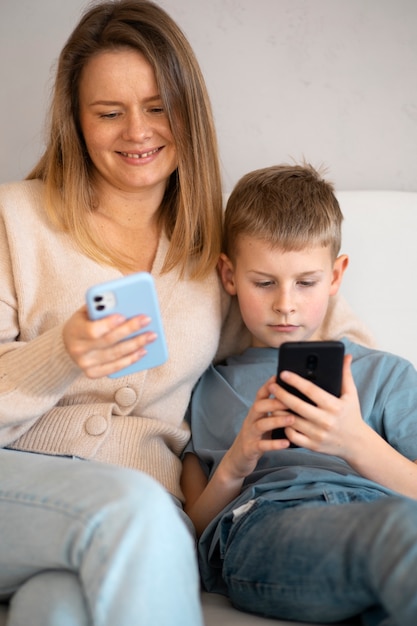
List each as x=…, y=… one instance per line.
x=312, y=362
x=99, y=303
x=311, y=366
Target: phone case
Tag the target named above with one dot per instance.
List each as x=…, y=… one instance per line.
x=131, y=295
x=318, y=361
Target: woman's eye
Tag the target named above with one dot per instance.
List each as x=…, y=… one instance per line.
x=109, y=116
x=157, y=110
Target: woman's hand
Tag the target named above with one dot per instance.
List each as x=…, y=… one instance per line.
x=334, y=425
x=97, y=347
x=254, y=438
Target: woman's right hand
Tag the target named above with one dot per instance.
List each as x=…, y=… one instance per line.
x=97, y=347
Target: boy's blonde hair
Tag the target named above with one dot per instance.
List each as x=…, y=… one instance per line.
x=191, y=211
x=287, y=206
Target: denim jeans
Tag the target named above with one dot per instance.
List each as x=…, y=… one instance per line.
x=86, y=543
x=321, y=561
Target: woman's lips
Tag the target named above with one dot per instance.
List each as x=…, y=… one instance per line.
x=140, y=155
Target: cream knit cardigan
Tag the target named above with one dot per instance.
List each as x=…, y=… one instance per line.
x=47, y=405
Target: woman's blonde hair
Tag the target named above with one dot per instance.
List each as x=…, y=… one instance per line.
x=287, y=206
x=191, y=210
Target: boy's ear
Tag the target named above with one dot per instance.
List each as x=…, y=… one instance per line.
x=227, y=274
x=339, y=267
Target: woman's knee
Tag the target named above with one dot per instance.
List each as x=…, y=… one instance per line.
x=52, y=598
x=125, y=498
x=97, y=487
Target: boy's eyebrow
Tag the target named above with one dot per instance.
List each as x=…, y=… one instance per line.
x=301, y=274
x=311, y=272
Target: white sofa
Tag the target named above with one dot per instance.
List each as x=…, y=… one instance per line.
x=379, y=234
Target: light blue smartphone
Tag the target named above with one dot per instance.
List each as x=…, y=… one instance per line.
x=129, y=296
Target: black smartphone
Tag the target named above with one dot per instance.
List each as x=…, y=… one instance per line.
x=318, y=361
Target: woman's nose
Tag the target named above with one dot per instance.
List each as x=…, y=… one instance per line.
x=137, y=127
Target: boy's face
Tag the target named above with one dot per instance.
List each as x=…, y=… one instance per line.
x=283, y=296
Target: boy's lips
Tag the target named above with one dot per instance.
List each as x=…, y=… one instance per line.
x=284, y=328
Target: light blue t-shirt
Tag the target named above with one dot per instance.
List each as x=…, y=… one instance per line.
x=387, y=388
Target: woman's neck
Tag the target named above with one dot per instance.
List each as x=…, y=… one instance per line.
x=130, y=227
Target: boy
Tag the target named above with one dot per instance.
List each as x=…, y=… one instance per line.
x=326, y=530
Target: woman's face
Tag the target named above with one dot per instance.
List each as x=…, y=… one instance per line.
x=125, y=127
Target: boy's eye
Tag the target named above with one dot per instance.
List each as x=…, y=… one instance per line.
x=263, y=284
x=307, y=283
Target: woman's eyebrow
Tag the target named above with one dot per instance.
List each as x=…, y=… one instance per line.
x=155, y=98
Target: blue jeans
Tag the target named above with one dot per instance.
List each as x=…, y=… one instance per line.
x=321, y=561
x=85, y=543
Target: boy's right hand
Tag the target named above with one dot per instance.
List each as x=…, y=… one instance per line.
x=254, y=437
x=204, y=500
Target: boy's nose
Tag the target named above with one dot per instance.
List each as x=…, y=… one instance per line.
x=283, y=304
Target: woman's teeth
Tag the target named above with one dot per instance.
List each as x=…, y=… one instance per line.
x=139, y=156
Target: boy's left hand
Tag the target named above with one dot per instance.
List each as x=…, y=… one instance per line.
x=333, y=425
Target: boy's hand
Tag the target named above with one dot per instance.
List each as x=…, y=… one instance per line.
x=254, y=438
x=333, y=425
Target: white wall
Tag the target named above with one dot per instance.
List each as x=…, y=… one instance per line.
x=334, y=81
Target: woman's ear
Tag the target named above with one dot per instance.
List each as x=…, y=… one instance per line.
x=339, y=267
x=227, y=274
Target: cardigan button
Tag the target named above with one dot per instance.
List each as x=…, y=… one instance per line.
x=96, y=425
x=125, y=396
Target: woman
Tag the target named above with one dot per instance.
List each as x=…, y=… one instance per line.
x=115, y=192
x=129, y=181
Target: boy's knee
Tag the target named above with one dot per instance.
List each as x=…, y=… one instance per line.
x=394, y=523
x=399, y=509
